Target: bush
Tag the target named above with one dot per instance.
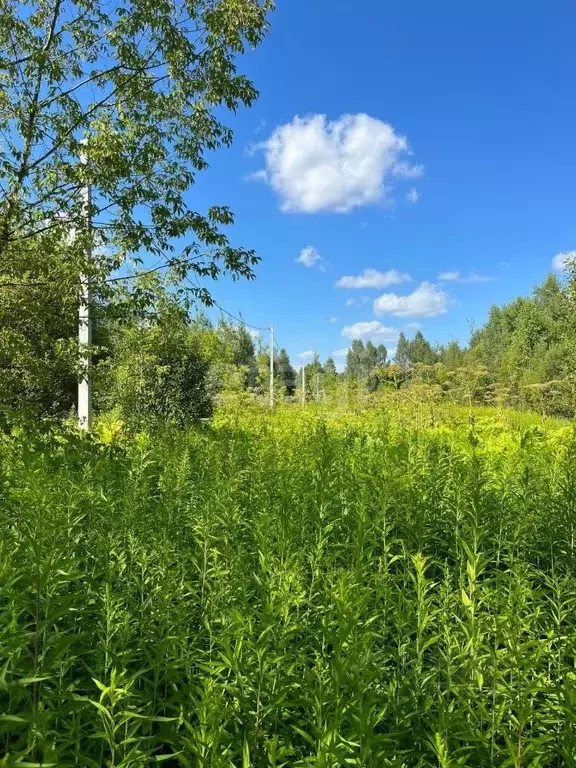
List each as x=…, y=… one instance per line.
x=158, y=374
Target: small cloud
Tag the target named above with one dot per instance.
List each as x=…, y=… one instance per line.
x=260, y=127
x=357, y=302
x=340, y=352
x=372, y=278
x=407, y=171
x=315, y=164
x=561, y=261
x=332, y=319
x=255, y=175
x=309, y=256
x=413, y=326
x=449, y=275
x=455, y=276
x=427, y=300
x=413, y=195
x=370, y=330
x=308, y=355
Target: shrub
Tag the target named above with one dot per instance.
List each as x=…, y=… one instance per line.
x=158, y=374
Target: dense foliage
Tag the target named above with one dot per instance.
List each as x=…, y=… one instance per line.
x=108, y=111
x=292, y=589
x=524, y=356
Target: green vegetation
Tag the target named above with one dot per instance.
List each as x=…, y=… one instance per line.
x=383, y=577
x=391, y=587
x=524, y=356
x=125, y=99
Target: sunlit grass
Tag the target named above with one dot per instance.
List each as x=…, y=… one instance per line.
x=393, y=587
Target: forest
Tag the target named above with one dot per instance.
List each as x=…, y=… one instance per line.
x=166, y=360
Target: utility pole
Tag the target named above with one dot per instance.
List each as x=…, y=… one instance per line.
x=303, y=384
x=271, y=366
x=84, y=320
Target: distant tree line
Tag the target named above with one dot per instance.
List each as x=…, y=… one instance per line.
x=157, y=361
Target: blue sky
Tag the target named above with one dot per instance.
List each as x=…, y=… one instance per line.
x=412, y=139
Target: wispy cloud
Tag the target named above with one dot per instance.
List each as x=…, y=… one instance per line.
x=370, y=330
x=308, y=355
x=332, y=319
x=427, y=300
x=315, y=164
x=340, y=352
x=351, y=302
x=309, y=256
x=260, y=127
x=455, y=276
x=561, y=261
x=372, y=278
x=413, y=195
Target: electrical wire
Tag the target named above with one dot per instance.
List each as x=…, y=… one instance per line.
x=221, y=308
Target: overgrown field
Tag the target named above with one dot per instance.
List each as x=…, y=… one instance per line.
x=302, y=589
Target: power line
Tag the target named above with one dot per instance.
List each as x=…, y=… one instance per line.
x=221, y=308
x=239, y=319
x=119, y=278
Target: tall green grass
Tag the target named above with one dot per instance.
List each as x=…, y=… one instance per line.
x=301, y=589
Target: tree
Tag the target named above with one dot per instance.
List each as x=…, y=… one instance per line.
x=239, y=342
x=452, y=356
x=420, y=350
x=330, y=370
x=39, y=349
x=374, y=357
x=402, y=356
x=355, y=359
x=285, y=373
x=141, y=85
x=314, y=372
x=158, y=373
x=126, y=96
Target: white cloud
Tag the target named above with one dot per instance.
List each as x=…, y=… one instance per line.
x=332, y=319
x=413, y=326
x=370, y=330
x=309, y=256
x=340, y=352
x=455, y=276
x=260, y=127
x=427, y=300
x=372, y=278
x=358, y=302
x=413, y=195
x=561, y=260
x=308, y=355
x=319, y=165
